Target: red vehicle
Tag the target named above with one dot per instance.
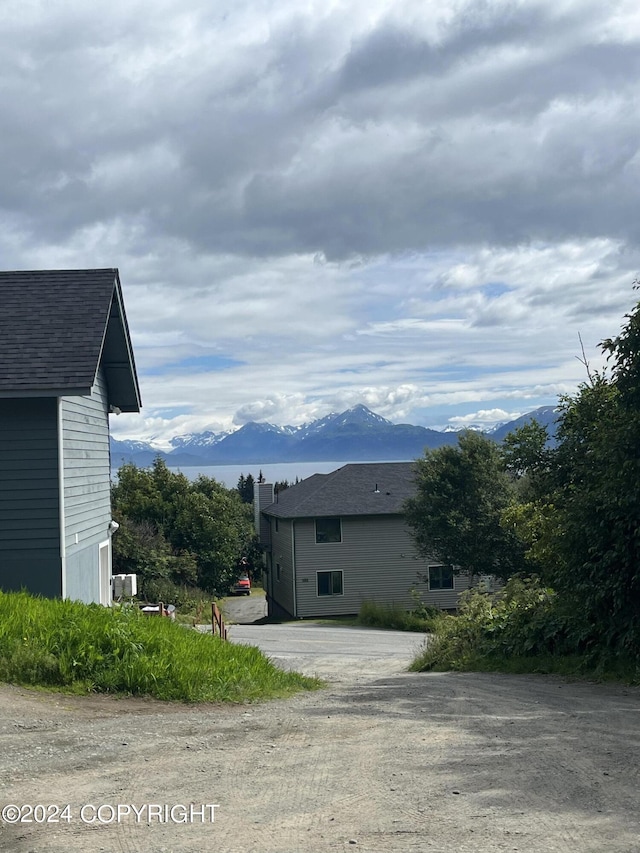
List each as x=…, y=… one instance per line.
x=242, y=586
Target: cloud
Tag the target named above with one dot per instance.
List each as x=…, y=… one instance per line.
x=415, y=206
x=269, y=131
x=485, y=417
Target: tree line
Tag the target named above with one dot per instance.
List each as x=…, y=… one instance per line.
x=177, y=534
x=180, y=536
x=565, y=510
x=246, y=486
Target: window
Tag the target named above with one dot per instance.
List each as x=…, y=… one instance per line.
x=329, y=583
x=276, y=521
x=277, y=571
x=440, y=577
x=328, y=530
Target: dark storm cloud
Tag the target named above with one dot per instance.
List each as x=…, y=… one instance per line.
x=512, y=123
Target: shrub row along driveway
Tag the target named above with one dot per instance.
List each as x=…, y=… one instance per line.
x=390, y=760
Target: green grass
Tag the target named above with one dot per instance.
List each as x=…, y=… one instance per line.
x=83, y=648
x=395, y=617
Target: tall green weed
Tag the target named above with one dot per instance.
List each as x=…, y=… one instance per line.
x=524, y=619
x=83, y=648
x=396, y=617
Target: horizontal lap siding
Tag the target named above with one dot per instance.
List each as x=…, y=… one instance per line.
x=29, y=496
x=447, y=599
x=85, y=437
x=281, y=552
x=370, y=557
x=379, y=563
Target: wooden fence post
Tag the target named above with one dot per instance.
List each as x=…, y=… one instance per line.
x=216, y=619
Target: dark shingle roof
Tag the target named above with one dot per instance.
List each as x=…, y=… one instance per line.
x=371, y=488
x=57, y=327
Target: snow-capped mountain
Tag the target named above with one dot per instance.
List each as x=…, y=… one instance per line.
x=199, y=439
x=356, y=434
x=472, y=427
x=358, y=415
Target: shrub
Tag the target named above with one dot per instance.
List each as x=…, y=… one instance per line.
x=524, y=619
x=396, y=617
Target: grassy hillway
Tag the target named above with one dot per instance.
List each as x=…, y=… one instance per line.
x=81, y=648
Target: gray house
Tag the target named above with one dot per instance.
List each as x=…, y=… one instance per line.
x=336, y=539
x=66, y=362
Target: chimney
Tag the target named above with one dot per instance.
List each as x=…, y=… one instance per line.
x=262, y=498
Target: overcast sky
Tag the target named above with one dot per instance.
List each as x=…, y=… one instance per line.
x=414, y=205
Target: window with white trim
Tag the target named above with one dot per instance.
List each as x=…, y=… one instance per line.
x=440, y=577
x=328, y=530
x=329, y=583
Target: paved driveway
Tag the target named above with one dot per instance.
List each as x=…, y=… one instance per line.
x=334, y=653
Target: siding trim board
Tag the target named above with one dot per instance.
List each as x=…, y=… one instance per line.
x=63, y=548
x=293, y=569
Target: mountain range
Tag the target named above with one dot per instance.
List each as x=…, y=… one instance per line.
x=357, y=435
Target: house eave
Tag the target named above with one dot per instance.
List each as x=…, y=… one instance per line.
x=116, y=356
x=68, y=391
x=334, y=514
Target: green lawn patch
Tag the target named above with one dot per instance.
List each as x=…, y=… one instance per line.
x=83, y=648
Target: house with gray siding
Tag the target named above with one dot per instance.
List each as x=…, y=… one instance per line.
x=66, y=364
x=335, y=540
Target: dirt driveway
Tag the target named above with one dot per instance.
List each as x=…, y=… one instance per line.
x=380, y=761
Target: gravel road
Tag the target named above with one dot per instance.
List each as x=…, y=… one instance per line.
x=381, y=761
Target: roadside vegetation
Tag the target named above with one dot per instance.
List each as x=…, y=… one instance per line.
x=523, y=628
x=394, y=616
x=557, y=518
x=82, y=648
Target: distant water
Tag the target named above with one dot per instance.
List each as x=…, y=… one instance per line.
x=274, y=472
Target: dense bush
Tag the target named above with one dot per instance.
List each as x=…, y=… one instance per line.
x=456, y=514
x=177, y=532
x=569, y=511
x=524, y=619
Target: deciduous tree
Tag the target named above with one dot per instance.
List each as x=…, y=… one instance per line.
x=456, y=513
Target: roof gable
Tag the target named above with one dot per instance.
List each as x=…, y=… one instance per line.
x=58, y=327
x=371, y=488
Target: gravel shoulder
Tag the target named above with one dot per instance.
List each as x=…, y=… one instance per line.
x=389, y=760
